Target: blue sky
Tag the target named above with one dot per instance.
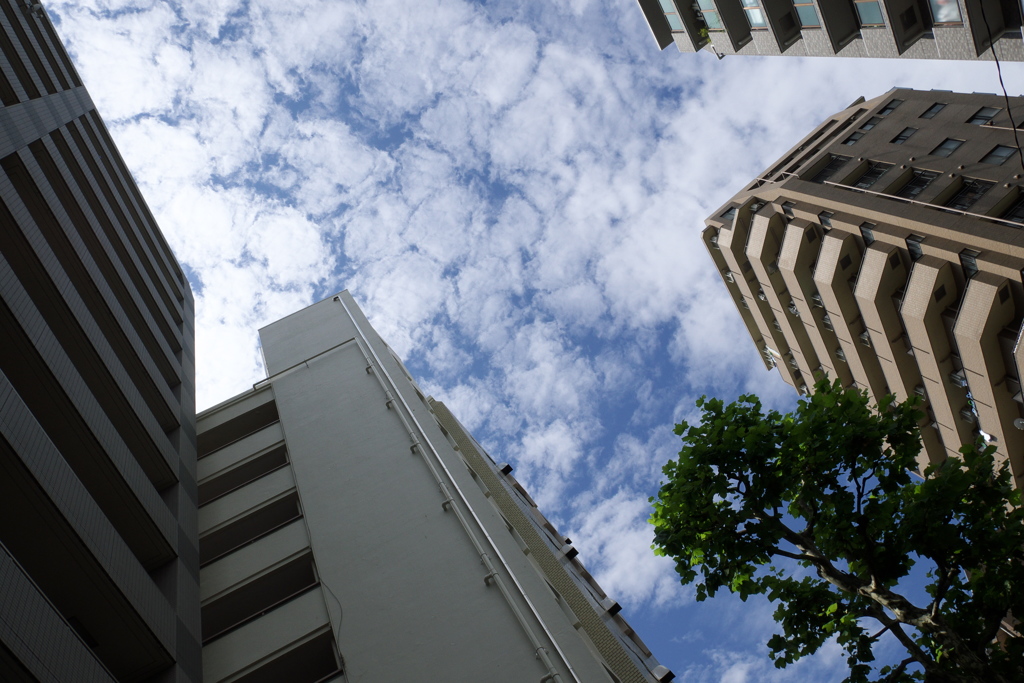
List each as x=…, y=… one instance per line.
x=513, y=193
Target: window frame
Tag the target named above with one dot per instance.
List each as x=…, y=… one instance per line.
x=932, y=111
x=889, y=107
x=904, y=135
x=942, y=146
x=981, y=119
x=1010, y=152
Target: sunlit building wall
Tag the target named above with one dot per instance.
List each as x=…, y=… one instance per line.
x=885, y=250
x=350, y=527
x=914, y=29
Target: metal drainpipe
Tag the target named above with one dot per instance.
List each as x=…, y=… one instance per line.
x=492, y=575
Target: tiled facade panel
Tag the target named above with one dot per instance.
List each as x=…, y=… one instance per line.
x=45, y=646
x=915, y=223
x=97, y=366
x=908, y=31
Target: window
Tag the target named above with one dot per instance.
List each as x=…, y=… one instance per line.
x=983, y=116
x=710, y=13
x=787, y=208
x=852, y=140
x=903, y=136
x=998, y=155
x=671, y=13
x=867, y=231
x=728, y=214
x=890, y=108
x=969, y=262
x=871, y=176
x=919, y=180
x=873, y=121
x=806, y=13
x=946, y=147
x=869, y=12
x=932, y=111
x=969, y=193
x=914, y=247
x=1016, y=211
x=834, y=164
x=945, y=11
x=825, y=218
x=755, y=16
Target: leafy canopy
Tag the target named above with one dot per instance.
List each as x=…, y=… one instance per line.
x=830, y=489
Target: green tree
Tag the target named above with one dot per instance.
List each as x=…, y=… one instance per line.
x=830, y=487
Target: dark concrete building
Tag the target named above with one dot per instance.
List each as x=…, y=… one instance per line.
x=886, y=250
x=914, y=29
x=99, y=562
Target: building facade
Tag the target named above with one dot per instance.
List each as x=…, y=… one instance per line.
x=914, y=29
x=886, y=250
x=99, y=561
x=351, y=529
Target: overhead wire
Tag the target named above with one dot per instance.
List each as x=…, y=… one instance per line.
x=1006, y=96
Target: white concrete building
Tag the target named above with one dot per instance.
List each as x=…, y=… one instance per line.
x=350, y=529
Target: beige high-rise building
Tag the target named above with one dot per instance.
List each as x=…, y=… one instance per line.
x=351, y=529
x=885, y=249
x=915, y=29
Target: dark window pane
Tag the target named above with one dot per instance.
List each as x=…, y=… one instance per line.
x=903, y=136
x=871, y=176
x=933, y=110
x=946, y=147
x=999, y=155
x=872, y=122
x=853, y=138
x=1016, y=211
x=983, y=116
x=969, y=193
x=917, y=183
x=834, y=164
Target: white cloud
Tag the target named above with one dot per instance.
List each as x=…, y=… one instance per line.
x=513, y=193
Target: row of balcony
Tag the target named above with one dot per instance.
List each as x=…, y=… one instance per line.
x=881, y=314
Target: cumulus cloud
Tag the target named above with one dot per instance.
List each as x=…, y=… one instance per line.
x=512, y=191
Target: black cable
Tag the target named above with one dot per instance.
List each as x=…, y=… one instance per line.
x=999, y=70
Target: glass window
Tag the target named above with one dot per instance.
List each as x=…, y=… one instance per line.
x=825, y=218
x=933, y=110
x=1016, y=211
x=834, y=164
x=999, y=155
x=969, y=262
x=671, y=14
x=867, y=231
x=914, y=247
x=710, y=13
x=806, y=14
x=870, y=13
x=755, y=17
x=889, y=108
x=728, y=214
x=787, y=208
x=946, y=147
x=919, y=180
x=853, y=138
x=872, y=122
x=903, y=136
x=945, y=11
x=983, y=116
x=871, y=176
x=969, y=193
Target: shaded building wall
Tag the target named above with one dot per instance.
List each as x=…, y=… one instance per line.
x=98, y=535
